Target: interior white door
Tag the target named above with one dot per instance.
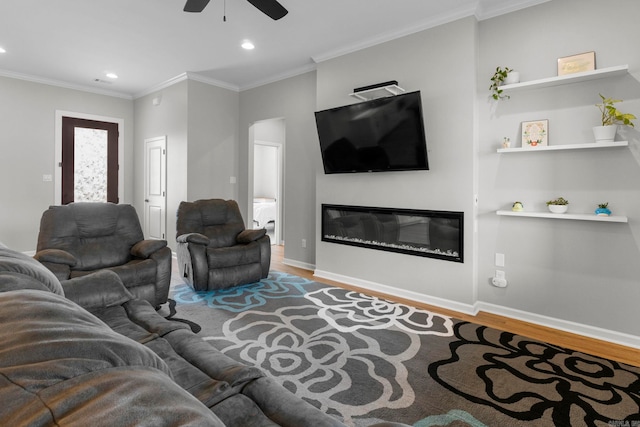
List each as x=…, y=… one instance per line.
x=155, y=183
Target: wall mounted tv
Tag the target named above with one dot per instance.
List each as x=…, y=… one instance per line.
x=384, y=134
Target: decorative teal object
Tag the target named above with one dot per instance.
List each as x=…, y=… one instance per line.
x=603, y=209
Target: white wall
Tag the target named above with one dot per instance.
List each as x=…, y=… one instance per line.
x=561, y=272
x=27, y=139
x=440, y=63
x=265, y=178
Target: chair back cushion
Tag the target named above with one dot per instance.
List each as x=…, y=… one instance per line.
x=98, y=235
x=219, y=220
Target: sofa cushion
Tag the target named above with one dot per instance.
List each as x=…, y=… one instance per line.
x=60, y=365
x=26, y=271
x=137, y=271
x=97, y=290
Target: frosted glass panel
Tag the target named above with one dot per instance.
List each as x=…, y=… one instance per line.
x=90, y=165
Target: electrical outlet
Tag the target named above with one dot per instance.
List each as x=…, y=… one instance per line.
x=304, y=243
x=500, y=274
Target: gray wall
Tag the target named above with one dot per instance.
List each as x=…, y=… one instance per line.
x=213, y=142
x=200, y=122
x=27, y=138
x=560, y=271
x=293, y=99
x=439, y=62
x=169, y=119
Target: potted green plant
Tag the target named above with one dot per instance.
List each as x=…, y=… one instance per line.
x=559, y=205
x=502, y=76
x=603, y=209
x=611, y=117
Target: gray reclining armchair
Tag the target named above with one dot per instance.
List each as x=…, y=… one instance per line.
x=80, y=238
x=215, y=250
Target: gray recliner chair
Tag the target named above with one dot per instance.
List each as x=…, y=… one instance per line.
x=215, y=250
x=80, y=238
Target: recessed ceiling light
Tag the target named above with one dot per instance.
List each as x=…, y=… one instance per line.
x=112, y=75
x=247, y=45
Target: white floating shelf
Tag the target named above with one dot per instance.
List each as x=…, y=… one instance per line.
x=565, y=147
x=378, y=92
x=569, y=78
x=578, y=217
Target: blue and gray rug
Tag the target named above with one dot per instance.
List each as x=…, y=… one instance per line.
x=366, y=360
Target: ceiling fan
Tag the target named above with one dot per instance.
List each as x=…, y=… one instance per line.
x=271, y=8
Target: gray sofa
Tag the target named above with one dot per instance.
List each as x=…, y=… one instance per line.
x=80, y=238
x=86, y=352
x=215, y=250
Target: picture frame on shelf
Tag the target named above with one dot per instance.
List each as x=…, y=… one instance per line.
x=577, y=63
x=535, y=133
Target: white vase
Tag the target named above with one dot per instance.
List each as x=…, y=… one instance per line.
x=512, y=77
x=558, y=208
x=605, y=133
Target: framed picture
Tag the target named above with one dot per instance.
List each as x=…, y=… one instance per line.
x=535, y=133
x=577, y=63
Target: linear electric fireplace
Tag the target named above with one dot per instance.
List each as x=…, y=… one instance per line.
x=433, y=234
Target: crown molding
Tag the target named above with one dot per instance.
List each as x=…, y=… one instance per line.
x=167, y=83
x=481, y=10
x=282, y=76
x=63, y=84
x=486, y=11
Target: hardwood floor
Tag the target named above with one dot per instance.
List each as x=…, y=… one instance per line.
x=587, y=345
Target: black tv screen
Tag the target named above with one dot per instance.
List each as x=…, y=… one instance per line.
x=384, y=134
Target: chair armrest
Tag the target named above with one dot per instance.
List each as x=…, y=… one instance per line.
x=56, y=256
x=144, y=248
x=248, y=236
x=198, y=238
x=97, y=290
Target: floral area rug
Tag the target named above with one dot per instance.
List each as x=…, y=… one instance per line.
x=365, y=360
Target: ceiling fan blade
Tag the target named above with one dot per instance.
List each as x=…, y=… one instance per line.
x=271, y=8
x=195, y=5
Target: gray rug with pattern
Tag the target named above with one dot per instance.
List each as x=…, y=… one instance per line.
x=366, y=360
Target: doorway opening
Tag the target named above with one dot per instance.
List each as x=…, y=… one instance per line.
x=266, y=171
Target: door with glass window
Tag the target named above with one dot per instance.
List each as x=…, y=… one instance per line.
x=89, y=161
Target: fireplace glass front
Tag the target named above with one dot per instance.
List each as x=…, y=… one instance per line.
x=433, y=234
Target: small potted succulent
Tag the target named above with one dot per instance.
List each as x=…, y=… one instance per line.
x=517, y=207
x=603, y=209
x=610, y=118
x=502, y=76
x=559, y=205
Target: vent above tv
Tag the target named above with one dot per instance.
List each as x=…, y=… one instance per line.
x=377, y=90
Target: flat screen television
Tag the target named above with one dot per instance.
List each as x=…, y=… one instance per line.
x=384, y=134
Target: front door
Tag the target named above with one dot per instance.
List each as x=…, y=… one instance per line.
x=89, y=161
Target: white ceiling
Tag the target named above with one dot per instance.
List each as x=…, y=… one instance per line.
x=149, y=43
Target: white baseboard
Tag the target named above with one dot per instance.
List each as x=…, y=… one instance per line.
x=594, y=332
x=298, y=264
x=390, y=290
x=620, y=338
